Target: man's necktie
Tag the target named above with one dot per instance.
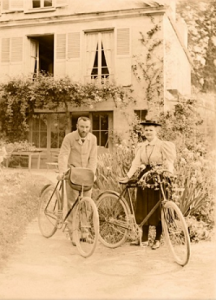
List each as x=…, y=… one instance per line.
x=83, y=140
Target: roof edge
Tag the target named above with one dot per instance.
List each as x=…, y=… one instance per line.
x=181, y=40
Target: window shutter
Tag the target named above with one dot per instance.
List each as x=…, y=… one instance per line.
x=123, y=57
x=5, y=50
x=5, y=5
x=123, y=41
x=16, y=49
x=60, y=55
x=60, y=3
x=16, y=5
x=73, y=45
x=73, y=67
x=61, y=46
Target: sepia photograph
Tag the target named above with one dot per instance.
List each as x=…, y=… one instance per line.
x=107, y=149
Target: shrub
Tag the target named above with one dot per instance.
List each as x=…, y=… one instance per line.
x=114, y=164
x=195, y=181
x=195, y=176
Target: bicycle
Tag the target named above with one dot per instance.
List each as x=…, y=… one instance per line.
x=117, y=215
x=53, y=212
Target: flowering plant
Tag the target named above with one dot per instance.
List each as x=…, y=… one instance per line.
x=156, y=176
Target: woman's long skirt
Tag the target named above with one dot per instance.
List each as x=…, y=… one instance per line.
x=145, y=201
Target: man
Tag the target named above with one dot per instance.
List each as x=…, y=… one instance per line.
x=79, y=149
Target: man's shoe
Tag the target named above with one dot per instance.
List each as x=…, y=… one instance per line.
x=86, y=236
x=155, y=245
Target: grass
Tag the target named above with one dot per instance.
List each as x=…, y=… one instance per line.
x=19, y=199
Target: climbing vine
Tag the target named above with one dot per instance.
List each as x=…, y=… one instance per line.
x=148, y=68
x=21, y=96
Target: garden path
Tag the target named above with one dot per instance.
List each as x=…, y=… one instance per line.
x=53, y=269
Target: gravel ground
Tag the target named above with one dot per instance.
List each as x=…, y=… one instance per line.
x=52, y=268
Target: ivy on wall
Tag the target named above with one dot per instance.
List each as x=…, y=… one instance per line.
x=148, y=68
x=21, y=96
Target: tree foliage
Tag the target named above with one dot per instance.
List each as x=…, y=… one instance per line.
x=183, y=125
x=200, y=17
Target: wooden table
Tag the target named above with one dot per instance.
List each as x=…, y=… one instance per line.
x=29, y=154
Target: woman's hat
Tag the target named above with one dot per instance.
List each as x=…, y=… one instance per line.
x=149, y=123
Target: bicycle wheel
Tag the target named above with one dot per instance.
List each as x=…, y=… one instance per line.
x=48, y=211
x=176, y=232
x=113, y=218
x=86, y=226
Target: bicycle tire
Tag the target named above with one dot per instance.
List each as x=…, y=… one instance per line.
x=86, y=229
x=112, y=210
x=48, y=215
x=176, y=232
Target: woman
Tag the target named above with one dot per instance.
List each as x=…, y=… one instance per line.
x=153, y=151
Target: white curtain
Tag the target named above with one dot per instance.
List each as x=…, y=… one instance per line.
x=107, y=47
x=91, y=46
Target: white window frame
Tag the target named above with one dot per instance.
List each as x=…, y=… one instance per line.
x=42, y=4
x=55, y=4
x=100, y=79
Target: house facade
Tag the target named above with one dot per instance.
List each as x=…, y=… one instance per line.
x=95, y=41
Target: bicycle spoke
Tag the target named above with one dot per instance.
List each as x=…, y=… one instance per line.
x=86, y=226
x=113, y=220
x=176, y=232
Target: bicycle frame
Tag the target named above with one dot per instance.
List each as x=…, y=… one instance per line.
x=63, y=200
x=126, y=192
x=118, y=220
x=82, y=227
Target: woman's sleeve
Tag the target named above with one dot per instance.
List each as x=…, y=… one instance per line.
x=136, y=163
x=169, y=155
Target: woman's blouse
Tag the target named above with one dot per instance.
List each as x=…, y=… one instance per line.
x=155, y=152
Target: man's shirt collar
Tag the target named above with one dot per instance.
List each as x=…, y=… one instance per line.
x=78, y=137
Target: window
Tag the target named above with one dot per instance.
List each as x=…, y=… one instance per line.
x=41, y=3
x=48, y=130
x=34, y=6
x=100, y=128
x=99, y=56
x=57, y=122
x=141, y=114
x=39, y=131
